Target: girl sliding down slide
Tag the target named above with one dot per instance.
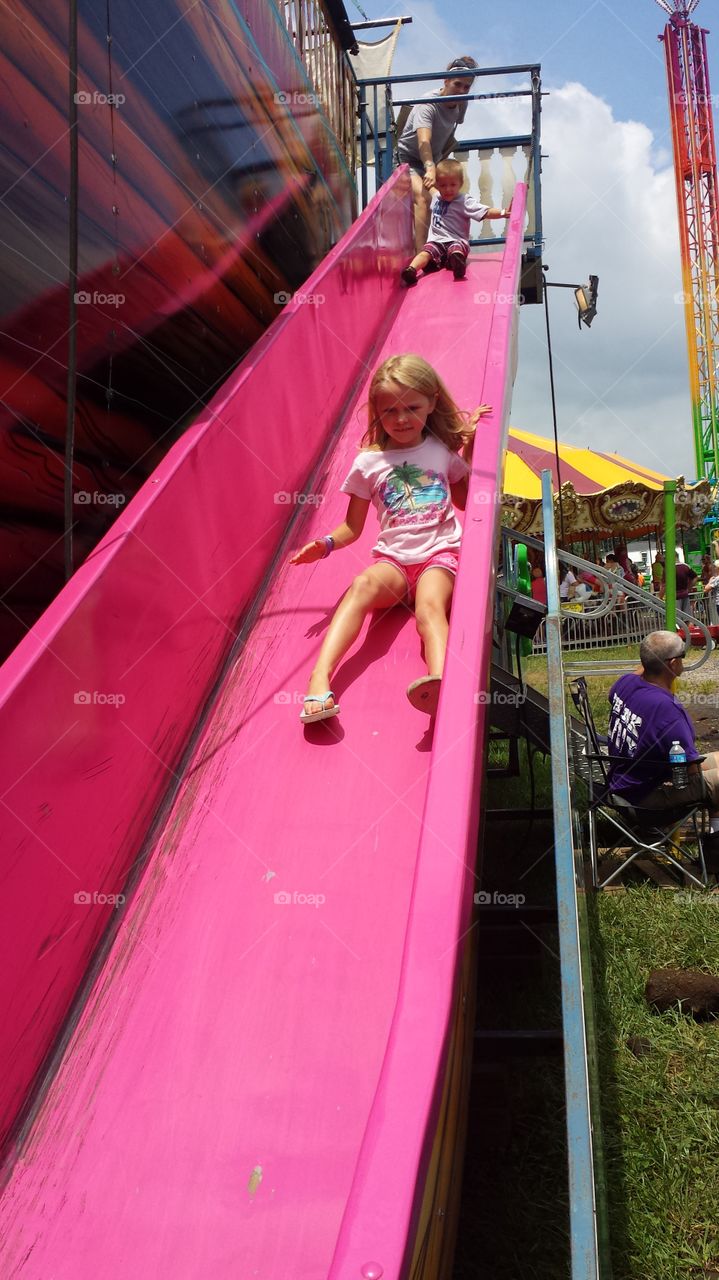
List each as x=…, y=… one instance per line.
x=410, y=468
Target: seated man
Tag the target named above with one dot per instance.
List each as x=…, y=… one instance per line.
x=645, y=719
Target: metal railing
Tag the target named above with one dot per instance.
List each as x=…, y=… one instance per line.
x=376, y=107
x=311, y=29
x=619, y=614
x=626, y=624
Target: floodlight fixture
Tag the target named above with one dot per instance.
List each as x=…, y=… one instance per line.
x=586, y=296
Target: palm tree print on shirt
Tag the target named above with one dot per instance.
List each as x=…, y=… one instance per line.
x=413, y=491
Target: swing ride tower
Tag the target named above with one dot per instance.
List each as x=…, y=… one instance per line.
x=690, y=106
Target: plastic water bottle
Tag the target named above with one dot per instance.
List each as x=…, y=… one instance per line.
x=678, y=762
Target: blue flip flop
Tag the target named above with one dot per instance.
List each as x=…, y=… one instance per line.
x=325, y=713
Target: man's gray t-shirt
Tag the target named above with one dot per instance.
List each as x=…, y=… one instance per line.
x=441, y=120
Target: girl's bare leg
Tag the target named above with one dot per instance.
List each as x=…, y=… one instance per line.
x=431, y=607
x=421, y=197
x=378, y=587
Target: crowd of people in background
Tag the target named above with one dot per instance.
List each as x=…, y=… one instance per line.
x=576, y=588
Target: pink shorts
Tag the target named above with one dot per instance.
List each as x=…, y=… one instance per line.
x=413, y=572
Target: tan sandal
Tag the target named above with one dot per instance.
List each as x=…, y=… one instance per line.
x=424, y=694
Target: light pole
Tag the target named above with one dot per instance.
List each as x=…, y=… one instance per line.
x=586, y=299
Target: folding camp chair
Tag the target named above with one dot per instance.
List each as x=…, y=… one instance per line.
x=672, y=838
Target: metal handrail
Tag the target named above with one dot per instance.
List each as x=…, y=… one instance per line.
x=384, y=158
x=457, y=73
x=612, y=588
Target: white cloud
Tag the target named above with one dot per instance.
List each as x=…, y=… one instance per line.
x=428, y=43
x=609, y=208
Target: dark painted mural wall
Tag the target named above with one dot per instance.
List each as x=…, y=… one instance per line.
x=209, y=183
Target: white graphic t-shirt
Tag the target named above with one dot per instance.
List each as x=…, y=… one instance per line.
x=410, y=490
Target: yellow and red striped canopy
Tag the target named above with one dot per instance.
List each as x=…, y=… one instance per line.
x=587, y=470
x=602, y=493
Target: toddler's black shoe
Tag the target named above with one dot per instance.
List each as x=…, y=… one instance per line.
x=458, y=266
x=409, y=275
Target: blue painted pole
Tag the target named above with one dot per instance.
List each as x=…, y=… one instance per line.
x=582, y=1207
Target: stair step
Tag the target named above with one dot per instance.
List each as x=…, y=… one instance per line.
x=519, y=1043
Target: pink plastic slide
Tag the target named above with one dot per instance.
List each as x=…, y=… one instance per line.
x=231, y=944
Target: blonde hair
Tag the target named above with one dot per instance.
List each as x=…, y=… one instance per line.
x=446, y=421
x=451, y=169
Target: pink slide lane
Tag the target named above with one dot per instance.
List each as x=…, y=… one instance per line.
x=251, y=1086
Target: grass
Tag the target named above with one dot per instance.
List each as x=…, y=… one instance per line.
x=660, y=1111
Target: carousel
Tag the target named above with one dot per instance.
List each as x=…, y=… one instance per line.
x=597, y=495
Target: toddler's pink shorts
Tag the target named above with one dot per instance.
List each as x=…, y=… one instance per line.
x=413, y=572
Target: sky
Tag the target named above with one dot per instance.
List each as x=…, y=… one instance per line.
x=609, y=207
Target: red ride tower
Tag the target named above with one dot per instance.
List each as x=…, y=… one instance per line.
x=690, y=106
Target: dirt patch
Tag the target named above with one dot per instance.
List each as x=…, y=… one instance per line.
x=699, y=693
x=706, y=724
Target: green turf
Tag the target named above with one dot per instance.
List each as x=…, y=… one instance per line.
x=660, y=1110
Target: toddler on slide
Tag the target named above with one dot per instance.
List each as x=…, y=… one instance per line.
x=448, y=240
